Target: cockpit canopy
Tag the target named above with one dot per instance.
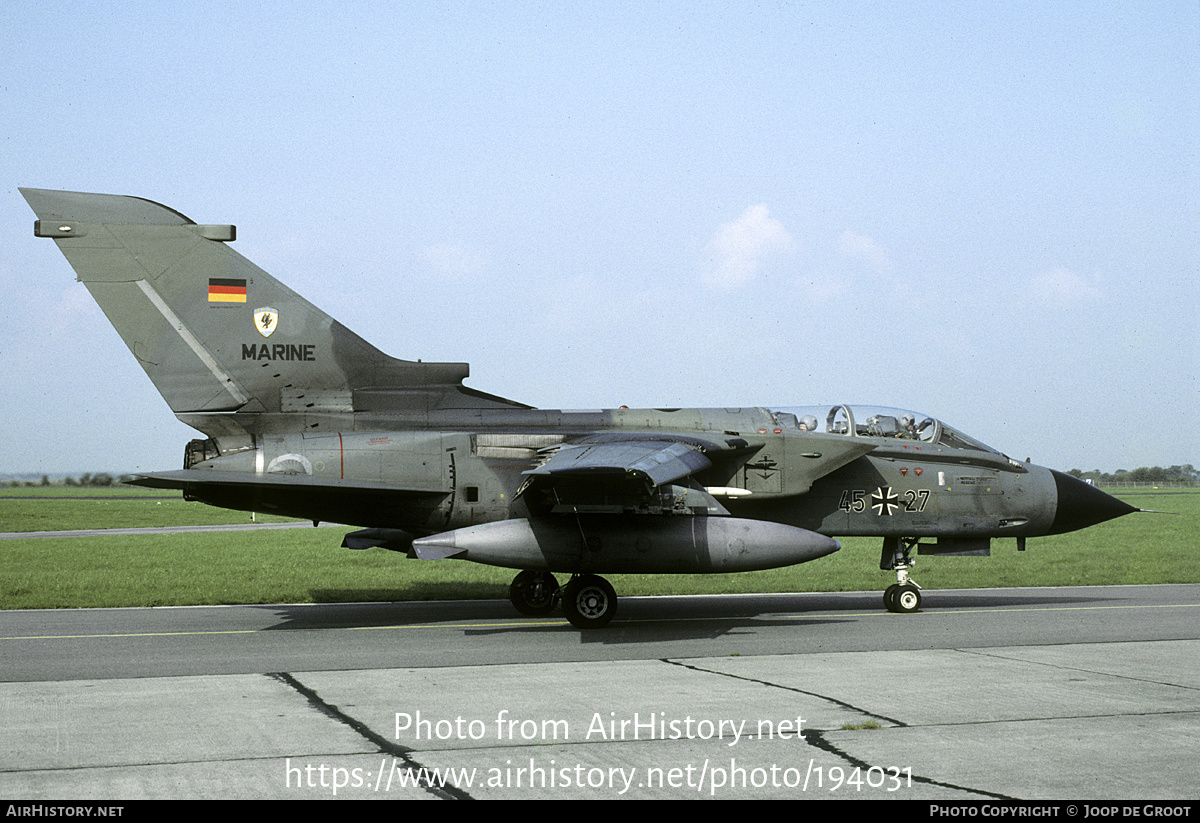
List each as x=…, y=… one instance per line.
x=874, y=421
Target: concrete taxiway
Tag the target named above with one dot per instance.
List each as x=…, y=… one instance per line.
x=1067, y=693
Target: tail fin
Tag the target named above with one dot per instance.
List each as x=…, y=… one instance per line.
x=214, y=332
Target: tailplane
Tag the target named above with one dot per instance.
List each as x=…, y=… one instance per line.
x=214, y=332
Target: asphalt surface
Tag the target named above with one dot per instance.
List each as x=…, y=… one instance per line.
x=998, y=694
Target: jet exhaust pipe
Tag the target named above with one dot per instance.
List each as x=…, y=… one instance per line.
x=607, y=544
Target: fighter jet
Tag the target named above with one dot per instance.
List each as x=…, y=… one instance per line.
x=304, y=418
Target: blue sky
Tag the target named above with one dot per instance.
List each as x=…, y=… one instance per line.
x=987, y=212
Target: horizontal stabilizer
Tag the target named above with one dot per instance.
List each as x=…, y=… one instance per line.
x=195, y=478
x=331, y=500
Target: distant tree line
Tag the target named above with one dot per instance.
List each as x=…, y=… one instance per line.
x=1175, y=475
x=93, y=480
x=101, y=479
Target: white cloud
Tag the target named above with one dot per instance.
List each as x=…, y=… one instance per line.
x=865, y=249
x=1062, y=287
x=453, y=261
x=739, y=248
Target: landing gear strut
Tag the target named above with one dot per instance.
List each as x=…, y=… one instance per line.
x=903, y=596
x=534, y=593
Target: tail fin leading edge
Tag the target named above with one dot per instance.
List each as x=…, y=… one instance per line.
x=214, y=332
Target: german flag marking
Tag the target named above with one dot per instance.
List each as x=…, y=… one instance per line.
x=224, y=290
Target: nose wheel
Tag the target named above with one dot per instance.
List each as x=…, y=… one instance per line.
x=902, y=599
x=903, y=596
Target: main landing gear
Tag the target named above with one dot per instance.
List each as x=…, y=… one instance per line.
x=588, y=601
x=903, y=596
x=534, y=593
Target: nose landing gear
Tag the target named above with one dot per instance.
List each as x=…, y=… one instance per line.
x=903, y=596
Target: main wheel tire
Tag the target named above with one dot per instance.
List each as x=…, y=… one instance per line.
x=907, y=599
x=589, y=602
x=533, y=593
x=889, y=597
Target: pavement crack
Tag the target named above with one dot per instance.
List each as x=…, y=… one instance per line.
x=1082, y=669
x=443, y=791
x=816, y=737
x=890, y=720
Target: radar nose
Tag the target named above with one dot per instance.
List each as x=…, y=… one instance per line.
x=1081, y=505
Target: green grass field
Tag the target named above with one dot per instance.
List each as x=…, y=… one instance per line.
x=307, y=565
x=61, y=508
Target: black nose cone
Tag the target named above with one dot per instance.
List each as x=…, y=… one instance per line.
x=1081, y=505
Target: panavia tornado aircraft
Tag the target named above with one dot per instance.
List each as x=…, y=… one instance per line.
x=304, y=418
